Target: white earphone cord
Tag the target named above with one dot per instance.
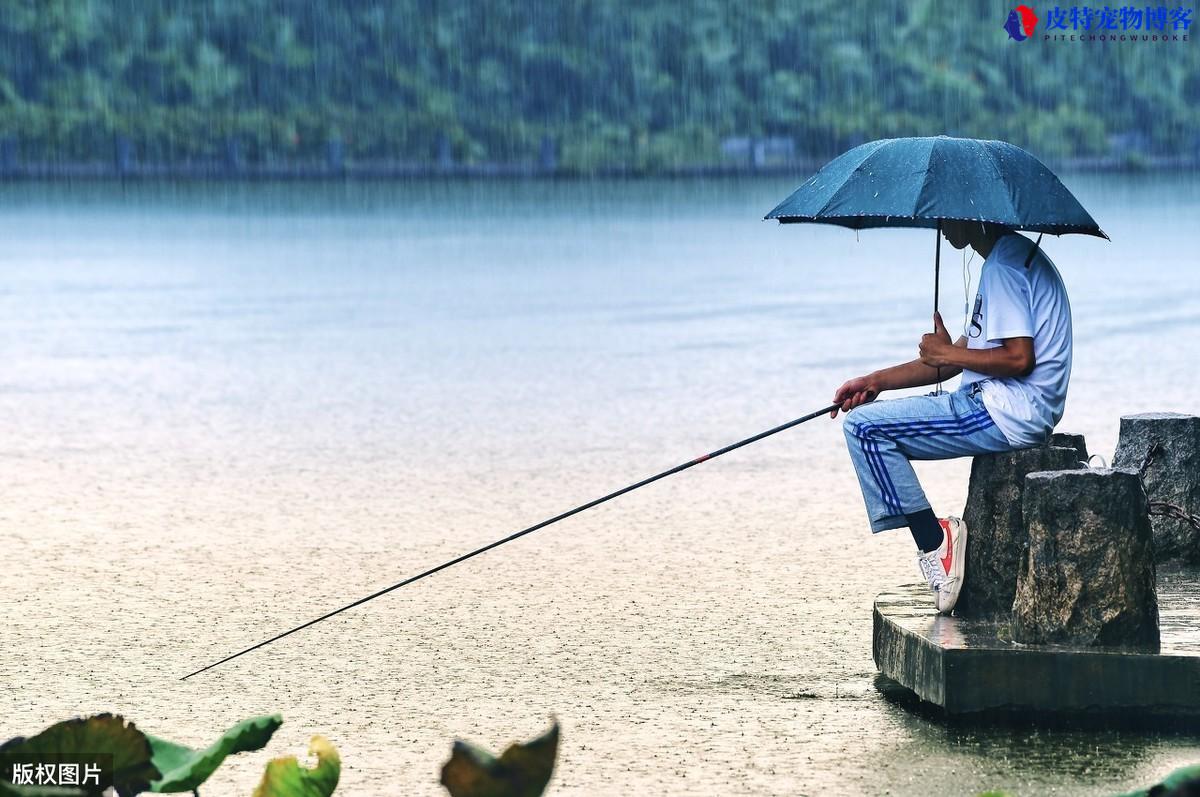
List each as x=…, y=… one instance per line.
x=967, y=290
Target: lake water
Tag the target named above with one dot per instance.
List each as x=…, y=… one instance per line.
x=229, y=409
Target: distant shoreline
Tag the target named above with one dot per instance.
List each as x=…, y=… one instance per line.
x=401, y=170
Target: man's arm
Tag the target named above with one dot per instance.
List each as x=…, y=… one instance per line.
x=1013, y=357
x=913, y=373
x=939, y=359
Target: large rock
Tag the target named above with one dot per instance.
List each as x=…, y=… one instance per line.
x=1172, y=476
x=996, y=538
x=1089, y=576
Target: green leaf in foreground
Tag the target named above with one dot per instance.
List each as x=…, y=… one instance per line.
x=102, y=734
x=184, y=769
x=522, y=771
x=286, y=778
x=1171, y=784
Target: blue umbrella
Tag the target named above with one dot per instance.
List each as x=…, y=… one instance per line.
x=921, y=182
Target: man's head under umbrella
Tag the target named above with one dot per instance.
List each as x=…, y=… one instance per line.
x=979, y=235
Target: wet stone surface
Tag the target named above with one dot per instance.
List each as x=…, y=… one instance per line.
x=972, y=667
x=1172, y=475
x=1089, y=576
x=996, y=537
x=1069, y=440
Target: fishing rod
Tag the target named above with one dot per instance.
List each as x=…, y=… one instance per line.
x=523, y=532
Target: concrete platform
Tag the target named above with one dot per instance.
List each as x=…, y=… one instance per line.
x=965, y=667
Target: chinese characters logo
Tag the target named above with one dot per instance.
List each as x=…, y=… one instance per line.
x=55, y=774
x=1103, y=23
x=1021, y=22
x=1124, y=18
x=90, y=771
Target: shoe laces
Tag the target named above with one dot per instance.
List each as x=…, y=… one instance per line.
x=931, y=568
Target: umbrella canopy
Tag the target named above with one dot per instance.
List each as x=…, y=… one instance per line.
x=918, y=182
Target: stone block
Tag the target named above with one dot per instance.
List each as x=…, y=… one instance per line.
x=971, y=667
x=1172, y=475
x=996, y=538
x=1068, y=440
x=1088, y=578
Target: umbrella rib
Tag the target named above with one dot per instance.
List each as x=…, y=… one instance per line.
x=1012, y=204
x=846, y=181
x=925, y=179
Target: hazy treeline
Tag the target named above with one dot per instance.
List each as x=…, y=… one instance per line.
x=646, y=84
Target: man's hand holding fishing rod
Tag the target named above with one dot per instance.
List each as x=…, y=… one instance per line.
x=1015, y=361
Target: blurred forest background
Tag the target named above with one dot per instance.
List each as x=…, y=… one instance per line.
x=574, y=86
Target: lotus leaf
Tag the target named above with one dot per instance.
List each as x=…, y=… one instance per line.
x=103, y=734
x=523, y=770
x=286, y=778
x=1178, y=782
x=184, y=769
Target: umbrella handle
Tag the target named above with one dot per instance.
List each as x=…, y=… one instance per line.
x=937, y=274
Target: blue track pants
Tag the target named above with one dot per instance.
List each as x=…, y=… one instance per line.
x=884, y=436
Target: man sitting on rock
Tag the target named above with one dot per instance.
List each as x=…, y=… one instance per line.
x=1015, y=362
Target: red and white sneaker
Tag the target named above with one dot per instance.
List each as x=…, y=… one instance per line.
x=943, y=567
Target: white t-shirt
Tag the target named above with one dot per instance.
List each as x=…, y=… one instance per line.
x=1018, y=302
